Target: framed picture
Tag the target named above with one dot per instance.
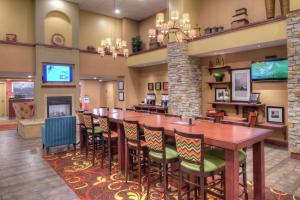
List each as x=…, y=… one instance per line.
x=220, y=93
x=10, y=37
x=275, y=114
x=150, y=86
x=165, y=85
x=254, y=98
x=240, y=85
x=158, y=86
x=121, y=96
x=121, y=85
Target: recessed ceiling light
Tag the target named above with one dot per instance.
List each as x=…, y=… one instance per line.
x=29, y=76
x=100, y=80
x=117, y=11
x=258, y=45
x=95, y=78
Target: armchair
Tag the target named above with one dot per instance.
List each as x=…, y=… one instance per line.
x=59, y=131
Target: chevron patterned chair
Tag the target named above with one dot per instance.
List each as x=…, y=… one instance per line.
x=196, y=162
x=159, y=154
x=59, y=131
x=135, y=146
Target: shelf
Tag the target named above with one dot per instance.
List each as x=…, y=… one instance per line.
x=218, y=68
x=238, y=104
x=211, y=84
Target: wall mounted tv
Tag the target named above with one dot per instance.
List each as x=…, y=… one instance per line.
x=57, y=73
x=270, y=70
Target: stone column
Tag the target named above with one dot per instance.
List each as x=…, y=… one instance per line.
x=185, y=90
x=293, y=43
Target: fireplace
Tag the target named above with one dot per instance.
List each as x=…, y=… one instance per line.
x=59, y=106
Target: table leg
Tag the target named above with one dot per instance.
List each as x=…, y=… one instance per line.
x=82, y=138
x=121, y=148
x=231, y=174
x=259, y=171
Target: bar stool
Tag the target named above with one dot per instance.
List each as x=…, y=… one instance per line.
x=134, y=146
x=82, y=127
x=159, y=153
x=196, y=162
x=109, y=137
x=92, y=131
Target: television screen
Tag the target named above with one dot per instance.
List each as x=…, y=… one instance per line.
x=270, y=70
x=57, y=73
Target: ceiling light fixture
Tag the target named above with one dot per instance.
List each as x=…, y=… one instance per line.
x=118, y=48
x=176, y=26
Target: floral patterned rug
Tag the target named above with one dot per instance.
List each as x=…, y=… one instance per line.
x=92, y=182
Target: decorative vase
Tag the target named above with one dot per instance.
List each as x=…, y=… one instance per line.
x=270, y=8
x=219, y=76
x=285, y=7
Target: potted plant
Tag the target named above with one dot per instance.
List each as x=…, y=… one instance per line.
x=219, y=76
x=136, y=44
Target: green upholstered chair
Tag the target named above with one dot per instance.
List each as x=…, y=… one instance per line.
x=160, y=154
x=196, y=162
x=93, y=134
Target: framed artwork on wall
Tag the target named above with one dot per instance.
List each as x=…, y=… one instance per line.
x=150, y=86
x=121, y=85
x=240, y=85
x=220, y=93
x=11, y=37
x=158, y=86
x=254, y=98
x=275, y=114
x=165, y=85
x=121, y=96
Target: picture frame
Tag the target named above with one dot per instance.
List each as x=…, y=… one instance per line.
x=150, y=86
x=254, y=97
x=120, y=85
x=241, y=85
x=165, y=85
x=219, y=94
x=275, y=114
x=158, y=86
x=121, y=96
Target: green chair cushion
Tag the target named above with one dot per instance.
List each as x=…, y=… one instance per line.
x=171, y=153
x=97, y=130
x=211, y=164
x=220, y=153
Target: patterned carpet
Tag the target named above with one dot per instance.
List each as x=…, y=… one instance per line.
x=90, y=182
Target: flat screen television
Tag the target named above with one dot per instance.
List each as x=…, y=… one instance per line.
x=271, y=70
x=57, y=73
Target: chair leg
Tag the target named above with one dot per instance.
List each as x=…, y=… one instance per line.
x=43, y=146
x=74, y=145
x=94, y=149
x=47, y=150
x=139, y=166
x=180, y=184
x=165, y=181
x=103, y=152
x=244, y=171
x=109, y=155
x=148, y=178
x=86, y=146
x=127, y=164
x=188, y=188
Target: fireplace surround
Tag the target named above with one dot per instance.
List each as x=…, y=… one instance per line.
x=58, y=106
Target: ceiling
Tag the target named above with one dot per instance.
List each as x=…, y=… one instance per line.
x=132, y=9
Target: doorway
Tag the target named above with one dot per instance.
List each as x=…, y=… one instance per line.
x=2, y=99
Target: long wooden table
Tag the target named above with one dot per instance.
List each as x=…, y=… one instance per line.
x=229, y=137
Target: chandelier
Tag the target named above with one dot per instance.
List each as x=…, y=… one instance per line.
x=118, y=48
x=180, y=28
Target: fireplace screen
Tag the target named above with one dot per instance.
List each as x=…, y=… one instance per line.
x=59, y=106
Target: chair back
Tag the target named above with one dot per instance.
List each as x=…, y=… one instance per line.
x=219, y=117
x=131, y=129
x=155, y=138
x=190, y=147
x=252, y=118
x=24, y=110
x=80, y=114
x=104, y=124
x=88, y=120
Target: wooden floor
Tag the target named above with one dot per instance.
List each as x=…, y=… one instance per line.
x=25, y=175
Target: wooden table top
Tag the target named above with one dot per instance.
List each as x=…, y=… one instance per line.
x=222, y=135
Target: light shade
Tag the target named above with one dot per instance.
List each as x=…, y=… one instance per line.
x=152, y=33
x=174, y=15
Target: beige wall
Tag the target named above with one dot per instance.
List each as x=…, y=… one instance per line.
x=219, y=12
x=272, y=93
x=57, y=22
x=152, y=74
x=17, y=16
x=130, y=28
x=95, y=27
x=294, y=4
